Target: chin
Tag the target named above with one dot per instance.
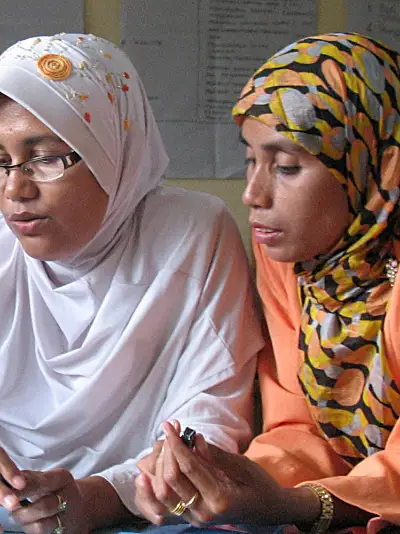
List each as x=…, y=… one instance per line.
x=300, y=252
x=282, y=255
x=42, y=253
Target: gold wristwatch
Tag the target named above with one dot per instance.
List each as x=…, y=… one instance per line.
x=324, y=520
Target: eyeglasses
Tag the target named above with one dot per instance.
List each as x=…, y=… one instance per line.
x=43, y=168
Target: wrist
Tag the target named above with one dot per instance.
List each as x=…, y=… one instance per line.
x=88, y=494
x=302, y=507
x=326, y=507
x=101, y=503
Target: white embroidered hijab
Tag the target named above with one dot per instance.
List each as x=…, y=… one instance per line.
x=56, y=333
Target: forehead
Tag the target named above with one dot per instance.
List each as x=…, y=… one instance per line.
x=20, y=125
x=257, y=134
x=9, y=109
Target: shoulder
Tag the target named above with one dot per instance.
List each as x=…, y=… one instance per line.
x=182, y=230
x=192, y=214
x=192, y=205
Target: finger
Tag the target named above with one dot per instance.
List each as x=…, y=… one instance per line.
x=45, y=525
x=202, y=449
x=148, y=463
x=43, y=508
x=157, y=447
x=146, y=501
x=202, y=476
x=176, y=424
x=174, y=478
x=10, y=471
x=11, y=479
x=40, y=483
x=162, y=491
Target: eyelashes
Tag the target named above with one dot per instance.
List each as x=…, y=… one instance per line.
x=287, y=170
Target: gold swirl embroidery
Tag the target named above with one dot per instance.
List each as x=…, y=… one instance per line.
x=54, y=67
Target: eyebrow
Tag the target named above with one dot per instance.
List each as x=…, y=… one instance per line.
x=282, y=144
x=30, y=141
x=39, y=138
x=242, y=139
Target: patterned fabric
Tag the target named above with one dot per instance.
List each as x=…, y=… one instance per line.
x=338, y=97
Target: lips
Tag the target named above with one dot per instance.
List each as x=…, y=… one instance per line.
x=25, y=217
x=28, y=224
x=267, y=235
x=264, y=229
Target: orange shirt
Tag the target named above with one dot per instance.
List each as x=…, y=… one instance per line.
x=291, y=447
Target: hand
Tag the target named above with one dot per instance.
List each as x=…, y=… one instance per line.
x=46, y=490
x=145, y=500
x=147, y=464
x=13, y=481
x=231, y=487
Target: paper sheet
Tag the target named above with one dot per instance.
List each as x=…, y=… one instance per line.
x=379, y=19
x=194, y=56
x=20, y=19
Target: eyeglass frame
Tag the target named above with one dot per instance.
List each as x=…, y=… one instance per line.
x=72, y=156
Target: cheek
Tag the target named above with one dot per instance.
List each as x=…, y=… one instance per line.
x=79, y=211
x=315, y=218
x=326, y=219
x=85, y=212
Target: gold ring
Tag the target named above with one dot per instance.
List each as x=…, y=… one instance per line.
x=191, y=501
x=179, y=509
x=59, y=528
x=62, y=504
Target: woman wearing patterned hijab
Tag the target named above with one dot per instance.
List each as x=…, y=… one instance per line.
x=123, y=303
x=321, y=123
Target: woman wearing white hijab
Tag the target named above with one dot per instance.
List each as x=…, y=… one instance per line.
x=123, y=303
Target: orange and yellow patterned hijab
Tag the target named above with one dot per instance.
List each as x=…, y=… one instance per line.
x=338, y=96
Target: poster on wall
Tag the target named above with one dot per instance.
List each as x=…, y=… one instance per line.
x=194, y=56
x=377, y=19
x=21, y=19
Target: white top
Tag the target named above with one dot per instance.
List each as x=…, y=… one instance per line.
x=189, y=351
x=150, y=320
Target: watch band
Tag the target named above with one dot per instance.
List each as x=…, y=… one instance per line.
x=324, y=520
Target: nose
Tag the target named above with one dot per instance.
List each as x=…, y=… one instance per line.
x=259, y=188
x=17, y=186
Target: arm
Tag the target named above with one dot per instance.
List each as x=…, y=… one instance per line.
x=232, y=489
x=101, y=503
x=211, y=387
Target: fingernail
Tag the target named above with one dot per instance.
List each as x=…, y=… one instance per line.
x=159, y=520
x=166, y=426
x=140, y=481
x=175, y=424
x=11, y=501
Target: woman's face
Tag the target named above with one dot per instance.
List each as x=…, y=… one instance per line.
x=297, y=207
x=52, y=220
